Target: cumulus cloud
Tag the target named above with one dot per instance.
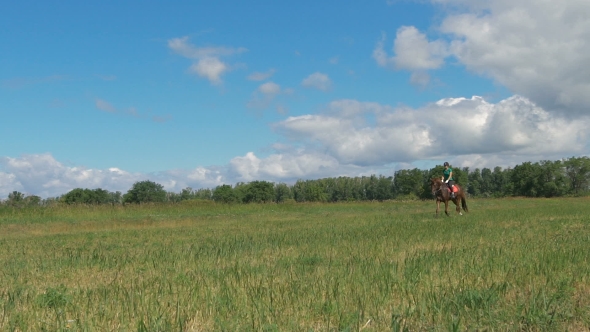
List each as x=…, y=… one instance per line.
x=264, y=95
x=207, y=60
x=43, y=175
x=210, y=68
x=292, y=164
x=270, y=88
x=258, y=76
x=317, y=81
x=453, y=126
x=539, y=49
x=348, y=138
x=420, y=79
x=412, y=51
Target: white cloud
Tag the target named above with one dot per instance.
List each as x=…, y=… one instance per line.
x=288, y=167
x=449, y=127
x=44, y=176
x=264, y=95
x=318, y=81
x=258, y=76
x=349, y=138
x=182, y=47
x=539, y=49
x=420, y=78
x=207, y=60
x=210, y=68
x=412, y=51
x=270, y=88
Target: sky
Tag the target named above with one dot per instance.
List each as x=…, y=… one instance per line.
x=102, y=94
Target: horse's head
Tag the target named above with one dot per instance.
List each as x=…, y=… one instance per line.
x=435, y=184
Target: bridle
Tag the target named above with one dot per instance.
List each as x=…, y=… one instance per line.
x=434, y=192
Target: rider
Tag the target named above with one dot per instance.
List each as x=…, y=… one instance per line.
x=448, y=177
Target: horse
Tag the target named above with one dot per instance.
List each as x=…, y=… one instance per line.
x=441, y=192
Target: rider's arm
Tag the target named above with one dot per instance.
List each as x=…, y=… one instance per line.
x=450, y=177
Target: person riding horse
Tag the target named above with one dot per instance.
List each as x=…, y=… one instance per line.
x=448, y=178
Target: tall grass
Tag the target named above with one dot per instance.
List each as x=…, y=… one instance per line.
x=509, y=265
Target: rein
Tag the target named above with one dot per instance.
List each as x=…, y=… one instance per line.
x=438, y=192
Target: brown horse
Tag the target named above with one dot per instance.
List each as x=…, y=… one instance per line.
x=442, y=194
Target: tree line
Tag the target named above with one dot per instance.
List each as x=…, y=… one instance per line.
x=567, y=177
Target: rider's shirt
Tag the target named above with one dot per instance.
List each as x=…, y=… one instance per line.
x=447, y=173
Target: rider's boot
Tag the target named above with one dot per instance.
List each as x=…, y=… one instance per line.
x=452, y=193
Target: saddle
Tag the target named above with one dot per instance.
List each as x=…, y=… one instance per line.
x=455, y=189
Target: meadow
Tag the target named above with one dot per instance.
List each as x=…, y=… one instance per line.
x=508, y=265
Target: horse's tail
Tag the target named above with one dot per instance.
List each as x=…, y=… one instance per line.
x=464, y=203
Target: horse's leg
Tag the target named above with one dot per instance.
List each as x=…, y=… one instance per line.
x=458, y=206
x=437, y=207
x=447, y=208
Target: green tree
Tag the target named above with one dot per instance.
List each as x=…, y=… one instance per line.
x=408, y=183
x=343, y=189
x=186, y=194
x=115, y=197
x=524, y=179
x=76, y=196
x=203, y=193
x=553, y=180
x=173, y=197
x=282, y=192
x=475, y=181
x=578, y=172
x=16, y=199
x=224, y=194
x=487, y=182
x=145, y=192
x=499, y=182
x=259, y=192
x=379, y=188
x=101, y=196
x=33, y=200
x=309, y=191
x=87, y=196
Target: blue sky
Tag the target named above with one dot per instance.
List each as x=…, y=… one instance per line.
x=103, y=94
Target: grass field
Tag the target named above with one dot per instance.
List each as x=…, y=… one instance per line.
x=508, y=265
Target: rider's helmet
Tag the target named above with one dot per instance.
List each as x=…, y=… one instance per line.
x=446, y=163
